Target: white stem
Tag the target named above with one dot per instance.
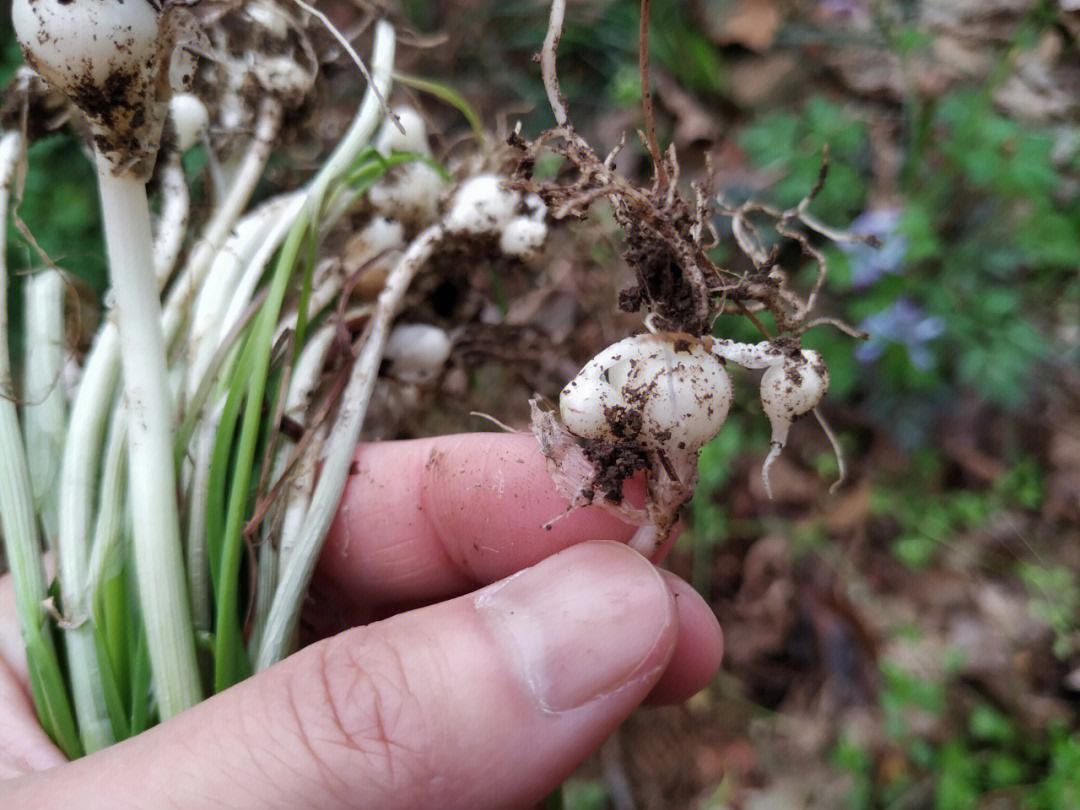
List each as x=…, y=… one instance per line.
x=305, y=378
x=173, y=222
x=367, y=117
x=358, y=136
x=22, y=543
x=207, y=330
x=78, y=482
x=254, y=270
x=341, y=446
x=355, y=139
x=45, y=411
x=158, y=559
x=79, y=470
x=298, y=498
x=198, y=561
x=94, y=397
x=224, y=220
x=105, y=554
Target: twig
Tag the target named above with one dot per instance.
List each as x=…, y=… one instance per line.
x=646, y=98
x=547, y=63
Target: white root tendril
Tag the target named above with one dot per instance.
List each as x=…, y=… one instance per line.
x=838, y=451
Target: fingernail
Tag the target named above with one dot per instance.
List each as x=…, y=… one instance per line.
x=582, y=624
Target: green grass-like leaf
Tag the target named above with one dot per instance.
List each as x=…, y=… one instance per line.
x=448, y=94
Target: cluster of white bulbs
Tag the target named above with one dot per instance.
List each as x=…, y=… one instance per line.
x=673, y=392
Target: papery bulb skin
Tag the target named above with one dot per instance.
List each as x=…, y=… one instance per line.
x=749, y=355
x=111, y=58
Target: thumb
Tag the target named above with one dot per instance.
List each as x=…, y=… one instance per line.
x=489, y=700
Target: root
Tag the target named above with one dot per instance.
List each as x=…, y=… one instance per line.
x=837, y=450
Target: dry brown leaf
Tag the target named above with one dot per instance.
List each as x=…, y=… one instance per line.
x=756, y=80
x=850, y=510
x=750, y=23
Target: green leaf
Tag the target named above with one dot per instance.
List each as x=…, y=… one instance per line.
x=50, y=695
x=447, y=94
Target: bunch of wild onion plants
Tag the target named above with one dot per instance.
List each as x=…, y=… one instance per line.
x=182, y=392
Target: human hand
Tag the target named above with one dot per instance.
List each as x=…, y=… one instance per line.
x=484, y=700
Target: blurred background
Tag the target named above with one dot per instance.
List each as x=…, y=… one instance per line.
x=911, y=641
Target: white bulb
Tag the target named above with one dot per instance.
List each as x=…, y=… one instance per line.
x=412, y=139
x=111, y=58
x=411, y=194
x=379, y=236
x=795, y=387
x=788, y=391
x=522, y=237
x=268, y=17
x=417, y=352
x=535, y=207
x=587, y=400
x=80, y=47
x=481, y=205
x=687, y=395
x=190, y=120
x=283, y=76
x=663, y=391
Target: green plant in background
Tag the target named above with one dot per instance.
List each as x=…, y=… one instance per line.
x=927, y=523
x=582, y=794
x=983, y=752
x=1054, y=593
x=983, y=232
x=791, y=145
x=598, y=53
x=709, y=518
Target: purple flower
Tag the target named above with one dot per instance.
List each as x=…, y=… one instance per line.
x=904, y=323
x=868, y=263
x=850, y=9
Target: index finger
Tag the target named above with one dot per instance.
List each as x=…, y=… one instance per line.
x=430, y=518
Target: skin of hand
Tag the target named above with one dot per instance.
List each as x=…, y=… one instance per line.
x=529, y=649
